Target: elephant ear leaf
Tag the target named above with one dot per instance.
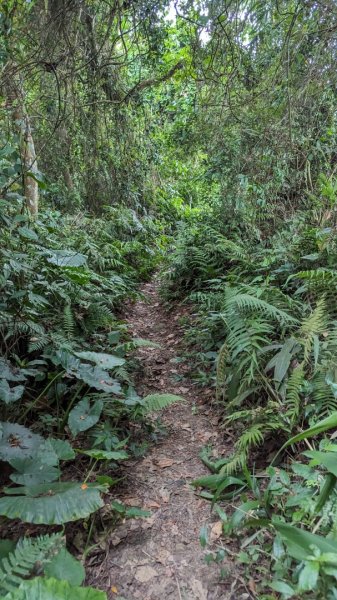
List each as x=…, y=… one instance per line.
x=31, y=471
x=105, y=361
x=52, y=503
x=53, y=589
x=84, y=415
x=10, y=394
x=17, y=441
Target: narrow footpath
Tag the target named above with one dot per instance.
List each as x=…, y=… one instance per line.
x=160, y=557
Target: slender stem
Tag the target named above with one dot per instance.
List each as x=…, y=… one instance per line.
x=42, y=393
x=69, y=407
x=89, y=534
x=91, y=470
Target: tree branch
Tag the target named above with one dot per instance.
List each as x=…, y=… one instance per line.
x=141, y=85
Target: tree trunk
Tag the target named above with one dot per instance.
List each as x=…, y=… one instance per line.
x=15, y=102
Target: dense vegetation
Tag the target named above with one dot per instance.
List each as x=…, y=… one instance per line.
x=212, y=133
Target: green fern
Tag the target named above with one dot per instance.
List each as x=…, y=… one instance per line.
x=313, y=326
x=68, y=322
x=248, y=301
x=29, y=557
x=156, y=402
x=294, y=385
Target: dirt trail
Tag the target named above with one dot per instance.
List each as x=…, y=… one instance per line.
x=160, y=558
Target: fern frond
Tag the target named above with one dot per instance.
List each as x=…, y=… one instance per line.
x=68, y=321
x=253, y=436
x=29, y=554
x=312, y=326
x=237, y=300
x=155, y=402
x=322, y=396
x=294, y=385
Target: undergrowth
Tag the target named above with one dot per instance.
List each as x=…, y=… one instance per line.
x=266, y=334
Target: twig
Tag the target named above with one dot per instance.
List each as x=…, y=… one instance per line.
x=178, y=586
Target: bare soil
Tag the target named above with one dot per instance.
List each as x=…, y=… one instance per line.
x=160, y=557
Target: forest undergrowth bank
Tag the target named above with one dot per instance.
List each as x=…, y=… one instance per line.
x=264, y=336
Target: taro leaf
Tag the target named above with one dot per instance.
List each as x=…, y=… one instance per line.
x=299, y=541
x=106, y=455
x=65, y=566
x=31, y=471
x=7, y=371
x=92, y=375
x=83, y=416
x=53, y=449
x=8, y=394
x=42, y=467
x=66, y=360
x=114, y=336
x=51, y=503
x=132, y=398
x=53, y=589
x=66, y=258
x=105, y=361
x=17, y=441
x=97, y=378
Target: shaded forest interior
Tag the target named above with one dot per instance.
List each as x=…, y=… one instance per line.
x=190, y=146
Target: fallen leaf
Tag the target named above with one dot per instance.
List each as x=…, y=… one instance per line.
x=144, y=574
x=186, y=427
x=252, y=586
x=152, y=504
x=147, y=523
x=132, y=502
x=163, y=556
x=216, y=531
x=164, y=462
x=164, y=494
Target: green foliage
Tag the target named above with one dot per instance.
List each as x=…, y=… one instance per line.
x=156, y=402
x=52, y=503
x=53, y=589
x=218, y=127
x=44, y=555
x=29, y=554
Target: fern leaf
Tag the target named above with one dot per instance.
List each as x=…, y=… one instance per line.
x=29, y=554
x=294, y=384
x=68, y=321
x=155, y=402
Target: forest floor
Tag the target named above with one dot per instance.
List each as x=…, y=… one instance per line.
x=160, y=557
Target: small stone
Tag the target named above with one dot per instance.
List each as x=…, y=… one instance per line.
x=144, y=574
